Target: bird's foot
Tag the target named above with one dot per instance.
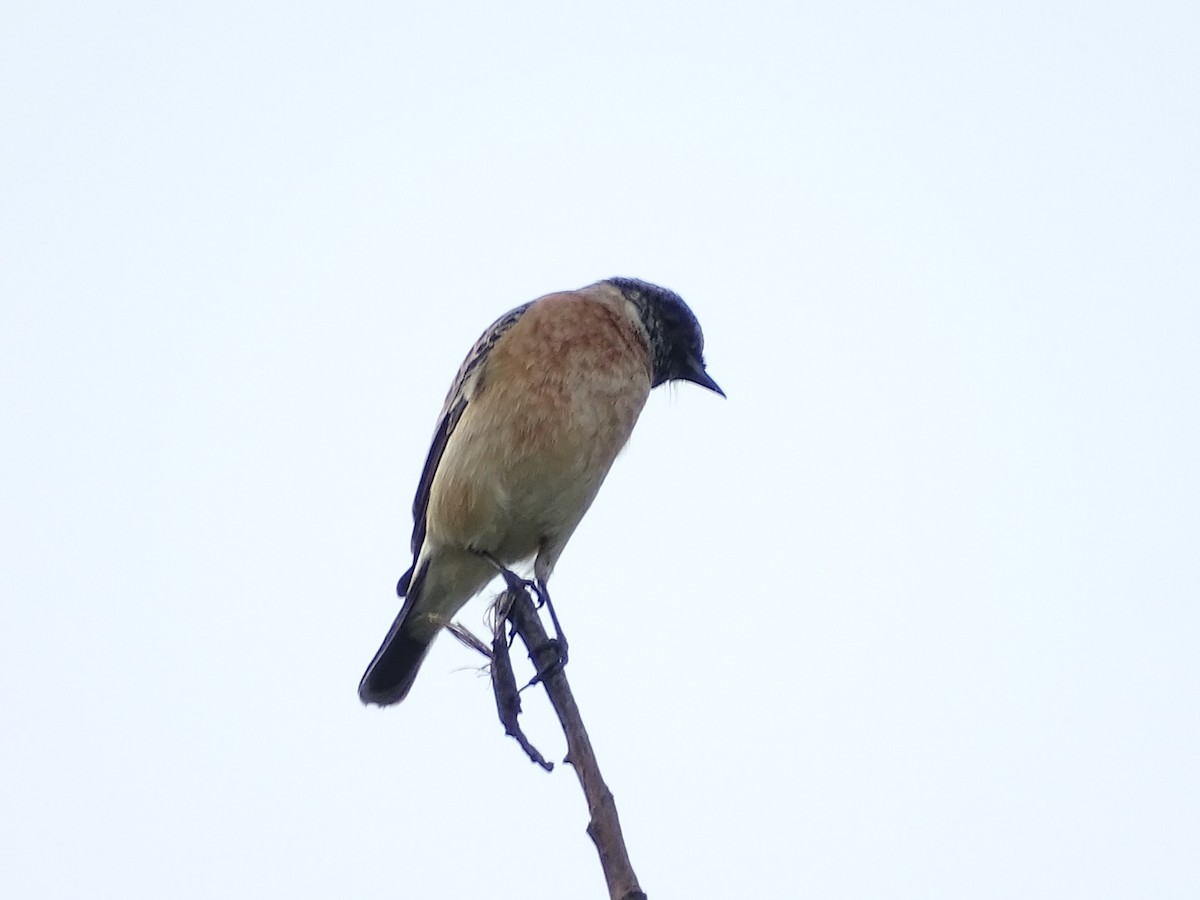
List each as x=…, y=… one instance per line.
x=559, y=646
x=512, y=580
x=541, y=595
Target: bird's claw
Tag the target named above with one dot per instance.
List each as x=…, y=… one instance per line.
x=559, y=646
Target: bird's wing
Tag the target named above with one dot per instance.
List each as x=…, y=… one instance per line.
x=465, y=388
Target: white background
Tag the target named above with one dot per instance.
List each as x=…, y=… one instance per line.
x=912, y=614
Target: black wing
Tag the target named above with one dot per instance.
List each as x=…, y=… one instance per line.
x=467, y=385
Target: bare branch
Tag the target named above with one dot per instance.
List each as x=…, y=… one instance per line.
x=605, y=827
x=508, y=698
x=504, y=682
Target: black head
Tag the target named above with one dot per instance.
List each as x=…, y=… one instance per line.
x=676, y=341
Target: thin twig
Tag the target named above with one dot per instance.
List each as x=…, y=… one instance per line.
x=504, y=682
x=508, y=698
x=605, y=827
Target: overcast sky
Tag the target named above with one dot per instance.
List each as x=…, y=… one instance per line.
x=912, y=614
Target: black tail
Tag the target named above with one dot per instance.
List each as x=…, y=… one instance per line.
x=394, y=669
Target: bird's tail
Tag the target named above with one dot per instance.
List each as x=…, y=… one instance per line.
x=394, y=669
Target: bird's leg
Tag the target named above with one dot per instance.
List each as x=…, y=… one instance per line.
x=558, y=642
x=512, y=580
x=516, y=583
x=559, y=637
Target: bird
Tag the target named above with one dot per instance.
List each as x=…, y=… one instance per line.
x=539, y=410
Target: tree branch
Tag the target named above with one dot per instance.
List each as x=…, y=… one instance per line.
x=605, y=827
x=504, y=685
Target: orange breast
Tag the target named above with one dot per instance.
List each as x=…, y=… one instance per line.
x=558, y=399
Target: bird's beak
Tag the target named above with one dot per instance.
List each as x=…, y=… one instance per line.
x=699, y=376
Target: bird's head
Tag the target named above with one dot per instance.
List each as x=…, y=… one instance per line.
x=676, y=342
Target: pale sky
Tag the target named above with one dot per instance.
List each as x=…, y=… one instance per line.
x=912, y=614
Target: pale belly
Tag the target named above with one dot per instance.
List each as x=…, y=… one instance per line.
x=512, y=484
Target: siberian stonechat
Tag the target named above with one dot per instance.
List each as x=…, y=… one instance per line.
x=539, y=410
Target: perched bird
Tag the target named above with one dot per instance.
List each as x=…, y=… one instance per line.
x=539, y=410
